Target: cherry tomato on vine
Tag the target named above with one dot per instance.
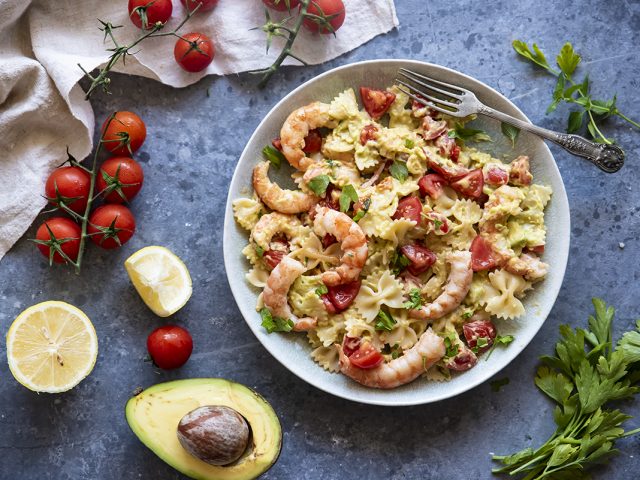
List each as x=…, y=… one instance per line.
x=169, y=346
x=119, y=179
x=111, y=226
x=194, y=52
x=68, y=185
x=281, y=5
x=124, y=134
x=332, y=10
x=154, y=10
x=205, y=5
x=62, y=233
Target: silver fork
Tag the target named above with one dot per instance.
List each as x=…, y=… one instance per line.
x=459, y=102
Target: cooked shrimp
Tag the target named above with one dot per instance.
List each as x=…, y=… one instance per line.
x=279, y=199
x=528, y=265
x=297, y=126
x=454, y=291
x=276, y=291
x=520, y=171
x=353, y=243
x=343, y=174
x=273, y=223
x=419, y=358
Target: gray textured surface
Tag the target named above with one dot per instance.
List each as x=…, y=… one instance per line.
x=193, y=144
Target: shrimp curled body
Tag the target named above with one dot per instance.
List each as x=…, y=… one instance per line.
x=297, y=126
x=277, y=288
x=455, y=290
x=427, y=351
x=271, y=224
x=279, y=199
x=353, y=244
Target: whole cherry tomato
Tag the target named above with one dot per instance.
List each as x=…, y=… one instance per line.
x=205, y=5
x=153, y=10
x=68, y=185
x=169, y=346
x=194, y=52
x=62, y=233
x=281, y=5
x=331, y=10
x=119, y=179
x=111, y=226
x=123, y=134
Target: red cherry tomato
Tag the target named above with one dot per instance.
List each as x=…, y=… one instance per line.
x=124, y=134
x=421, y=258
x=273, y=257
x=328, y=240
x=455, y=153
x=154, y=10
x=194, y=52
x=111, y=226
x=63, y=232
x=479, y=329
x=369, y=132
x=538, y=249
x=436, y=222
x=312, y=142
x=328, y=306
x=464, y=360
x=376, y=102
x=281, y=5
x=341, y=296
x=350, y=345
x=169, y=346
x=471, y=184
x=69, y=185
x=120, y=179
x=481, y=255
x=205, y=5
x=496, y=177
x=366, y=356
x=432, y=185
x=332, y=10
x=448, y=172
x=277, y=143
x=409, y=208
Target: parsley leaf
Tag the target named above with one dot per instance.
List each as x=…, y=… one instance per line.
x=451, y=345
x=259, y=250
x=408, y=143
x=415, y=299
x=385, y=321
x=398, y=262
x=468, y=134
x=319, y=184
x=274, y=155
x=366, y=203
x=510, y=132
x=275, y=324
x=536, y=56
x=347, y=196
x=499, y=340
x=467, y=315
x=398, y=170
x=496, y=385
x=568, y=59
x=321, y=290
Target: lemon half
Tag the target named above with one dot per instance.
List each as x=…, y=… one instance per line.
x=51, y=347
x=161, y=279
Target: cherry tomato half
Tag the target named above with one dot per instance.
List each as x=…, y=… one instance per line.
x=409, y=208
x=471, y=184
x=281, y=5
x=124, y=134
x=421, y=258
x=194, y=52
x=432, y=185
x=120, y=179
x=154, y=10
x=479, y=329
x=205, y=5
x=369, y=132
x=332, y=10
x=341, y=296
x=170, y=346
x=376, y=102
x=366, y=356
x=68, y=185
x=111, y=226
x=63, y=232
x=481, y=255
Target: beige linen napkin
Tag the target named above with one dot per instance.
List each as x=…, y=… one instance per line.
x=42, y=107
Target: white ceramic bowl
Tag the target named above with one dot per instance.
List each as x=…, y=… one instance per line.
x=293, y=350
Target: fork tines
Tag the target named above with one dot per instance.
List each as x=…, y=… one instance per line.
x=445, y=101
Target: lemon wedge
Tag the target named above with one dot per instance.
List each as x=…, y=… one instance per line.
x=161, y=279
x=51, y=347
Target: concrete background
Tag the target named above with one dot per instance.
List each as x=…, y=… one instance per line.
x=194, y=142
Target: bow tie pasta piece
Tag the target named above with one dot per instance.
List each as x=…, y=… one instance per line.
x=248, y=211
x=506, y=304
x=327, y=357
x=379, y=288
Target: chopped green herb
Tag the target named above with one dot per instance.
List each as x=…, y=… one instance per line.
x=510, y=132
x=385, y=321
x=408, y=143
x=274, y=155
x=499, y=340
x=322, y=290
x=275, y=324
x=347, y=196
x=319, y=184
x=496, y=385
x=398, y=170
x=452, y=347
x=437, y=224
x=399, y=262
x=259, y=250
x=468, y=134
x=415, y=299
x=366, y=203
x=394, y=351
x=468, y=314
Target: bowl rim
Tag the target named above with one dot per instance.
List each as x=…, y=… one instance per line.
x=253, y=326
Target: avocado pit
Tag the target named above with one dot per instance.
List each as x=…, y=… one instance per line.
x=215, y=434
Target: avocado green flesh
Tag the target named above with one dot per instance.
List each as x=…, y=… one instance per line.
x=154, y=414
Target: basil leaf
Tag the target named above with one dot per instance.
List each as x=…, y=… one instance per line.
x=398, y=170
x=408, y=143
x=366, y=203
x=415, y=300
x=468, y=134
x=347, y=196
x=385, y=321
x=319, y=184
x=274, y=155
x=510, y=132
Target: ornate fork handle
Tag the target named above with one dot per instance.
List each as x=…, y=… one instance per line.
x=609, y=158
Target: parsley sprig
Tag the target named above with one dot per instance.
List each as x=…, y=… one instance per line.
x=576, y=93
x=586, y=374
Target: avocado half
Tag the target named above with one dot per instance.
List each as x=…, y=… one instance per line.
x=154, y=414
